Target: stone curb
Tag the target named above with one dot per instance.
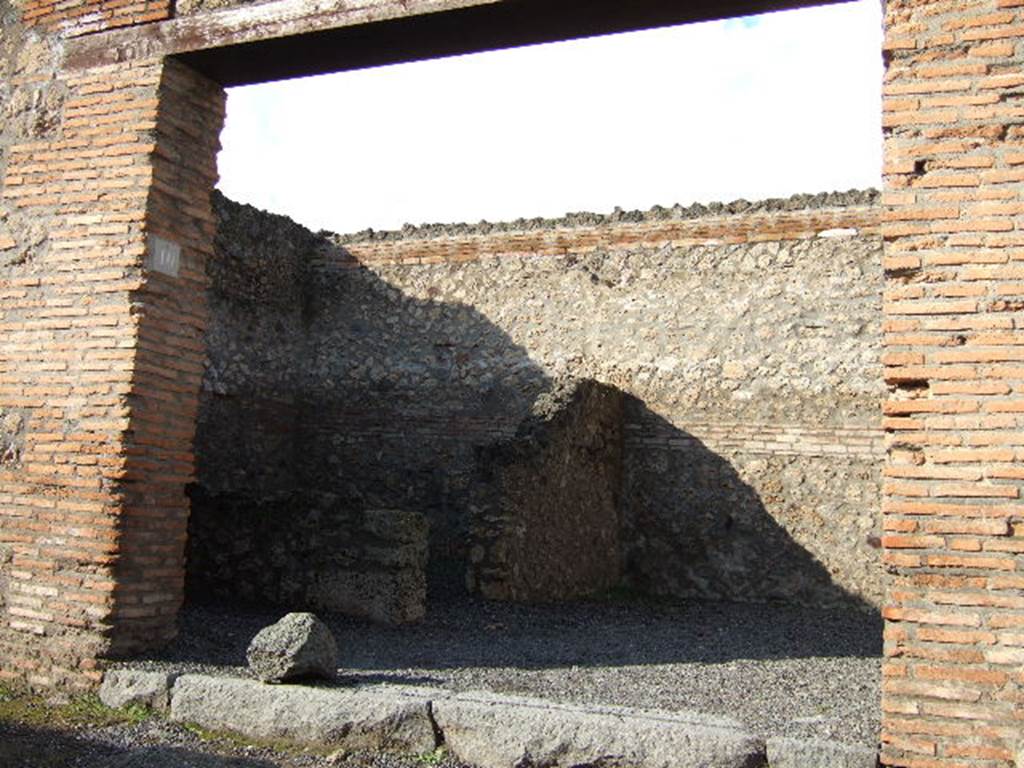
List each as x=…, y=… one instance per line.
x=129, y=687
x=817, y=753
x=360, y=718
x=485, y=729
x=504, y=731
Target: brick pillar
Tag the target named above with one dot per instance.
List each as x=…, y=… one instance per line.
x=954, y=356
x=170, y=308
x=100, y=359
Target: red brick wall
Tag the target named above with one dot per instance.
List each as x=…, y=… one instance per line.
x=68, y=338
x=90, y=340
x=168, y=370
x=954, y=346
x=79, y=17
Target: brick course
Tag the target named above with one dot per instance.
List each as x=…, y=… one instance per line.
x=772, y=226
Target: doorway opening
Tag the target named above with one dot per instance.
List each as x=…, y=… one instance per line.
x=674, y=403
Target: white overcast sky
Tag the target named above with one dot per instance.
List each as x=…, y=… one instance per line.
x=764, y=106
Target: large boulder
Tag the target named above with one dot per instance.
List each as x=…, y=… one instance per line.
x=299, y=645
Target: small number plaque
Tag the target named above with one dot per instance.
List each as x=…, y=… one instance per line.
x=163, y=256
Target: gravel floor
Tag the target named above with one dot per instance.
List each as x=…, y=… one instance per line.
x=160, y=744
x=779, y=669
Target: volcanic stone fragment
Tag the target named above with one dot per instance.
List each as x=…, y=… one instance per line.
x=299, y=645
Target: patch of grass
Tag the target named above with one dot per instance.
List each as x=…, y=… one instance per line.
x=233, y=740
x=432, y=758
x=81, y=711
x=90, y=711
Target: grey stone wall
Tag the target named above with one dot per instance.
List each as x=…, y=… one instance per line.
x=308, y=550
x=747, y=523
x=752, y=448
x=31, y=104
x=252, y=389
x=263, y=528
x=544, y=509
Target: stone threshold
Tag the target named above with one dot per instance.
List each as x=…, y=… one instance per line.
x=479, y=728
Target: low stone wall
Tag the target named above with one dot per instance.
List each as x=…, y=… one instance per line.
x=544, y=515
x=379, y=367
x=307, y=550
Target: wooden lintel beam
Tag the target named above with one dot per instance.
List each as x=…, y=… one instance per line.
x=242, y=25
x=295, y=38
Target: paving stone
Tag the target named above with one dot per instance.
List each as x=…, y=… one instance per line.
x=367, y=718
x=124, y=687
x=814, y=753
x=505, y=731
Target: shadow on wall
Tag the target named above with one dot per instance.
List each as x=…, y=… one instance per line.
x=597, y=491
x=334, y=399
x=692, y=528
x=329, y=394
